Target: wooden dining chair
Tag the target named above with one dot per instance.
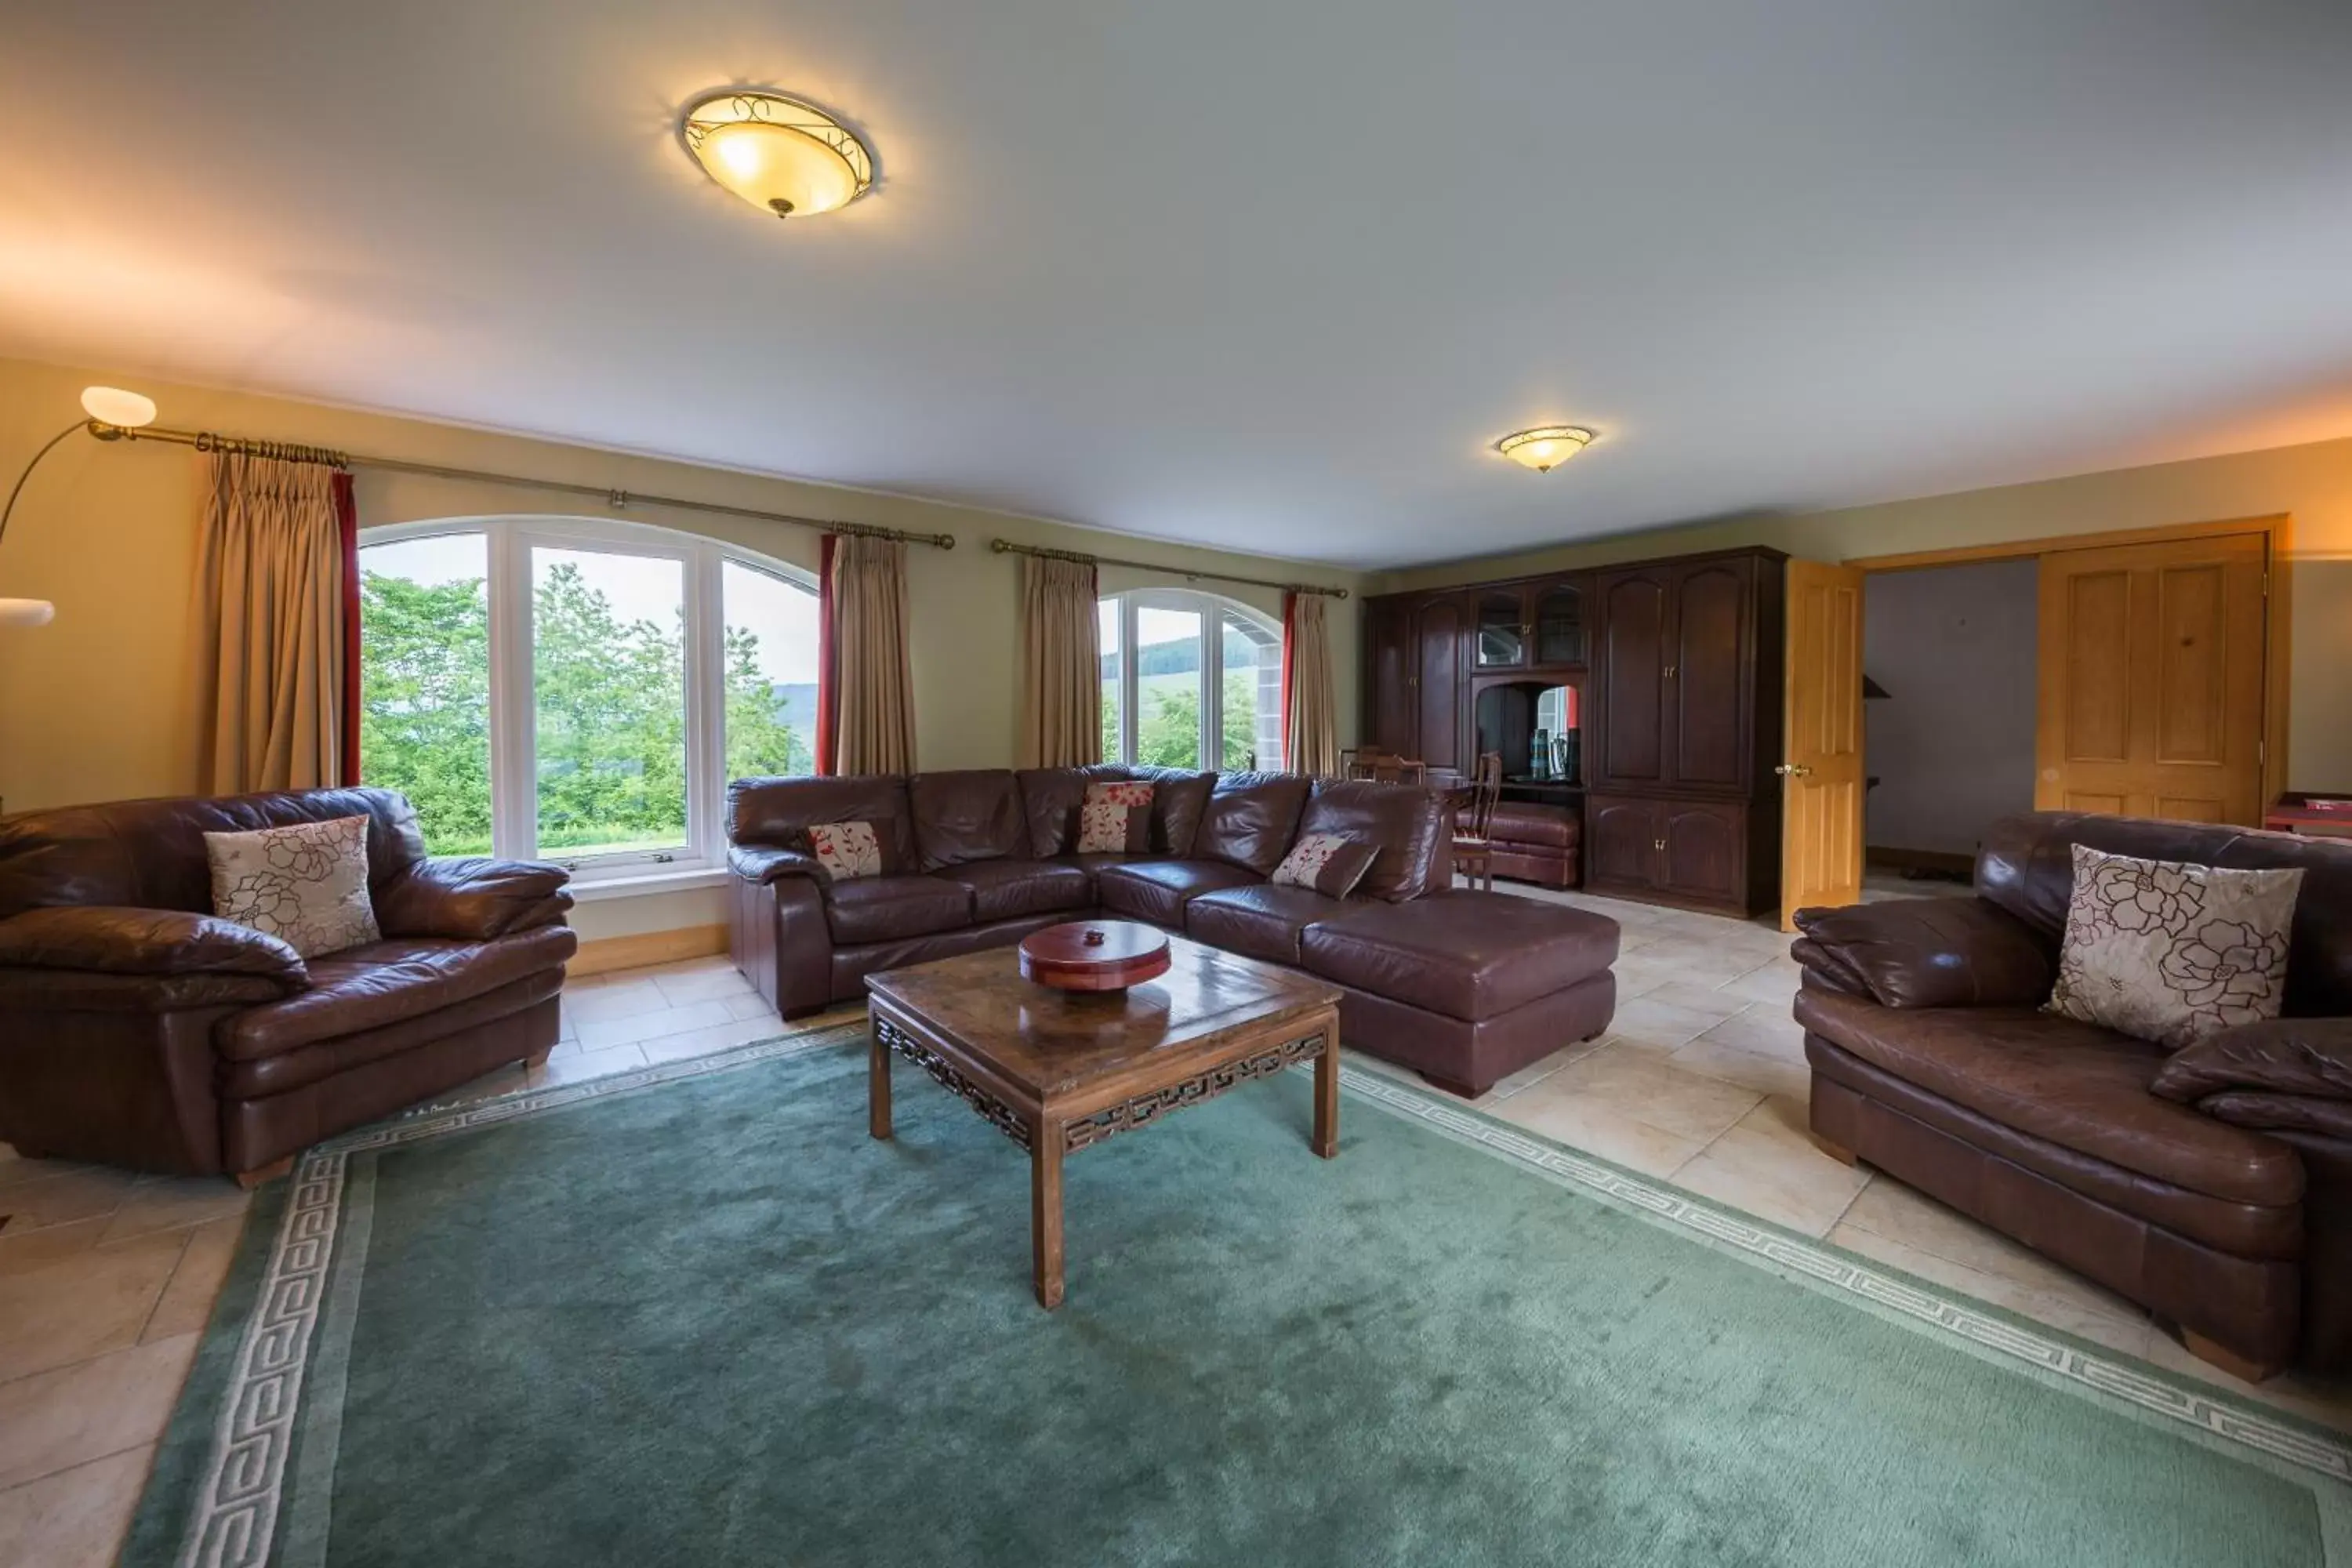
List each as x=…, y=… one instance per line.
x=1474, y=851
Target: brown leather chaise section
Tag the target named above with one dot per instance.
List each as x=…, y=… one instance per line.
x=1466, y=955
x=142, y=1031
x=2213, y=1184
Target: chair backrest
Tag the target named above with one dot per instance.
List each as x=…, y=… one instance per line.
x=1487, y=790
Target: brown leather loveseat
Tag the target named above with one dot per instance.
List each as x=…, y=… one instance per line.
x=1463, y=987
x=138, y=1029
x=2213, y=1184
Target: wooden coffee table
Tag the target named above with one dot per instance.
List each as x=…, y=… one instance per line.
x=1058, y=1072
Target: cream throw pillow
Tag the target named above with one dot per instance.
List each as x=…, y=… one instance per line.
x=2171, y=953
x=306, y=883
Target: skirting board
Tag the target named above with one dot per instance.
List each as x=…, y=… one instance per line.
x=646, y=947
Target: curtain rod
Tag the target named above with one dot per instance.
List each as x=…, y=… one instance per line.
x=618, y=500
x=1006, y=547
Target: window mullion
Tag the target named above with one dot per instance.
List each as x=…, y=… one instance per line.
x=1212, y=686
x=706, y=706
x=514, y=764
x=1129, y=686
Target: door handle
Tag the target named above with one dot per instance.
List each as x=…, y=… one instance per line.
x=1794, y=771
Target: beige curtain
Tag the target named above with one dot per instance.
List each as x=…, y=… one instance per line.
x=1061, y=665
x=1310, y=742
x=873, y=723
x=268, y=660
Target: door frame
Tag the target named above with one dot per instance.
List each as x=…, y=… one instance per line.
x=2278, y=599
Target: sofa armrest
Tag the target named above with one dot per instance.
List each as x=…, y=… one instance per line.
x=1928, y=953
x=765, y=863
x=2310, y=1057
x=473, y=897
x=107, y=939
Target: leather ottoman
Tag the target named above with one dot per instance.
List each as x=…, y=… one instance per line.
x=1536, y=843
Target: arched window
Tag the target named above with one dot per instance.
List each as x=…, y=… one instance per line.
x=580, y=691
x=1190, y=680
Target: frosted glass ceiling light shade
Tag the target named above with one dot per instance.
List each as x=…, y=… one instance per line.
x=112, y=405
x=1546, y=447
x=26, y=611
x=777, y=154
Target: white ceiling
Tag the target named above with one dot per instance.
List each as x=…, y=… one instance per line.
x=1251, y=273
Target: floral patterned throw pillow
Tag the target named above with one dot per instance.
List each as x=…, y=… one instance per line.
x=2170, y=953
x=306, y=883
x=1106, y=828
x=847, y=850
x=1326, y=863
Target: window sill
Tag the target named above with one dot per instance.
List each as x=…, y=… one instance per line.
x=638, y=886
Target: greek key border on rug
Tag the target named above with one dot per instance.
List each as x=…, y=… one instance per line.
x=241, y=1490
x=2216, y=1416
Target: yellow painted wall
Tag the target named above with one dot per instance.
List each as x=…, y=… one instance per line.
x=95, y=705
x=2312, y=483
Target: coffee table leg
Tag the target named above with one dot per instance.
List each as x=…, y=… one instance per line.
x=878, y=1086
x=1046, y=1214
x=1326, y=1092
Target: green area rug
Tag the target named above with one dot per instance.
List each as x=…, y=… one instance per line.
x=694, y=1315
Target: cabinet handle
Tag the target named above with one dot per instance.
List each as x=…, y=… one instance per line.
x=1668, y=672
x=1658, y=844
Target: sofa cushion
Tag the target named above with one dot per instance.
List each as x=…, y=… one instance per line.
x=1158, y=891
x=971, y=815
x=382, y=982
x=1179, y=797
x=1050, y=799
x=849, y=851
x=1263, y=920
x=1468, y=955
x=2076, y=1085
x=884, y=909
x=1251, y=818
x=1405, y=825
x=1007, y=889
x=306, y=883
x=778, y=811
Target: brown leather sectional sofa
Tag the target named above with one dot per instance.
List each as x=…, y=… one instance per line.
x=137, y=1029
x=1462, y=987
x=2213, y=1185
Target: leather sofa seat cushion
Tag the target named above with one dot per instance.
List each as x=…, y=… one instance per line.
x=887, y=909
x=383, y=983
x=967, y=815
x=1469, y=955
x=1008, y=889
x=2075, y=1085
x=1405, y=823
x=1250, y=819
x=1158, y=891
x=1528, y=822
x=290, y=1070
x=1260, y=921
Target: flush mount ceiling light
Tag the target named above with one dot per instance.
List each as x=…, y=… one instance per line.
x=780, y=155
x=1545, y=447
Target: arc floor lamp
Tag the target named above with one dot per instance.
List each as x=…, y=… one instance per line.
x=112, y=412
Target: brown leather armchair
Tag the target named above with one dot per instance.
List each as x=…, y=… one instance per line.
x=137, y=1029
x=2213, y=1184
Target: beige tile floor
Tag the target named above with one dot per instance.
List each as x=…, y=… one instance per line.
x=107, y=1277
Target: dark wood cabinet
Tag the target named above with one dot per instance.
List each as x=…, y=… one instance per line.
x=1680, y=664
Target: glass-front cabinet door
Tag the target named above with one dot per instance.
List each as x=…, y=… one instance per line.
x=1560, y=625
x=1502, y=630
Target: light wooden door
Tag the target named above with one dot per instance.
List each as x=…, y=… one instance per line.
x=2151, y=680
x=1821, y=770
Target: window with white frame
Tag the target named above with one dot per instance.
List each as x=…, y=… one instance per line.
x=579, y=691
x=1190, y=680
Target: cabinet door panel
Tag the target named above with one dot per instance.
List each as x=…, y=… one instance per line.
x=1559, y=623
x=1439, y=631
x=1500, y=641
x=1707, y=694
x=1631, y=684
x=1394, y=721
x=1621, y=842
x=1706, y=854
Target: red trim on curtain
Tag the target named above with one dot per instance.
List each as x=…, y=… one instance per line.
x=1289, y=636
x=828, y=666
x=347, y=522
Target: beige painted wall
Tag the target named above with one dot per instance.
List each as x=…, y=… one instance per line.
x=94, y=706
x=2313, y=483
